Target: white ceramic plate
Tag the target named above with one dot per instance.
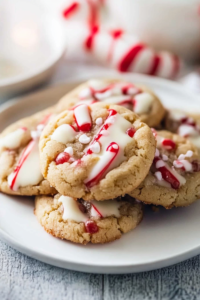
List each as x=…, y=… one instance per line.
x=31, y=42
x=163, y=238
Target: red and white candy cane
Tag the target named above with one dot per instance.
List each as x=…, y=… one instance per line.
x=121, y=51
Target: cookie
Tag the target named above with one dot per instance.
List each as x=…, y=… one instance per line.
x=19, y=157
x=137, y=98
x=174, y=177
x=96, y=152
x=82, y=222
x=186, y=125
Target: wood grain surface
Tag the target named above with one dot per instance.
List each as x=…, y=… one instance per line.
x=24, y=278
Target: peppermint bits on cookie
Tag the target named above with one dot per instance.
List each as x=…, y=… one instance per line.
x=173, y=179
x=138, y=99
x=106, y=145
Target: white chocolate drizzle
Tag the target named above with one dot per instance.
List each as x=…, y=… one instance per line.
x=105, y=208
x=143, y=103
x=121, y=93
x=71, y=210
x=113, y=142
x=13, y=140
x=27, y=171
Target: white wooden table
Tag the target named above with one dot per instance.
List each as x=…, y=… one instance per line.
x=23, y=278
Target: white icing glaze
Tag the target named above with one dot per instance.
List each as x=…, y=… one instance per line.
x=158, y=175
x=97, y=85
x=84, y=139
x=95, y=147
x=13, y=139
x=187, y=165
x=64, y=134
x=187, y=130
x=28, y=168
x=160, y=164
x=35, y=134
x=143, y=103
x=118, y=93
x=188, y=154
x=69, y=150
x=115, y=133
x=102, y=96
x=82, y=115
x=71, y=210
x=85, y=93
x=117, y=99
x=99, y=121
x=106, y=208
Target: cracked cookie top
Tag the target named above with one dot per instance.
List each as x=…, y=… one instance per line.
x=82, y=222
x=173, y=179
x=96, y=152
x=137, y=98
x=19, y=157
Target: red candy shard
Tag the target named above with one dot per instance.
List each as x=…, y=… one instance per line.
x=188, y=121
x=70, y=9
x=85, y=127
x=112, y=112
x=196, y=166
x=169, y=144
x=90, y=39
x=116, y=33
x=62, y=158
x=91, y=226
x=168, y=176
x=131, y=132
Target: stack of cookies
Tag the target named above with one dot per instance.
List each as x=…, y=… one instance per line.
x=95, y=159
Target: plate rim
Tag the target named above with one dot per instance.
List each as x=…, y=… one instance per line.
x=91, y=267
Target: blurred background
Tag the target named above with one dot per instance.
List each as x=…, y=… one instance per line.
x=65, y=39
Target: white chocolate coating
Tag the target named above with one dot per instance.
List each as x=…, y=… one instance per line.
x=64, y=134
x=106, y=208
x=143, y=103
x=29, y=168
x=116, y=133
x=13, y=139
x=71, y=210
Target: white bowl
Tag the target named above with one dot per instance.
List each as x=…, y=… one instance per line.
x=31, y=42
